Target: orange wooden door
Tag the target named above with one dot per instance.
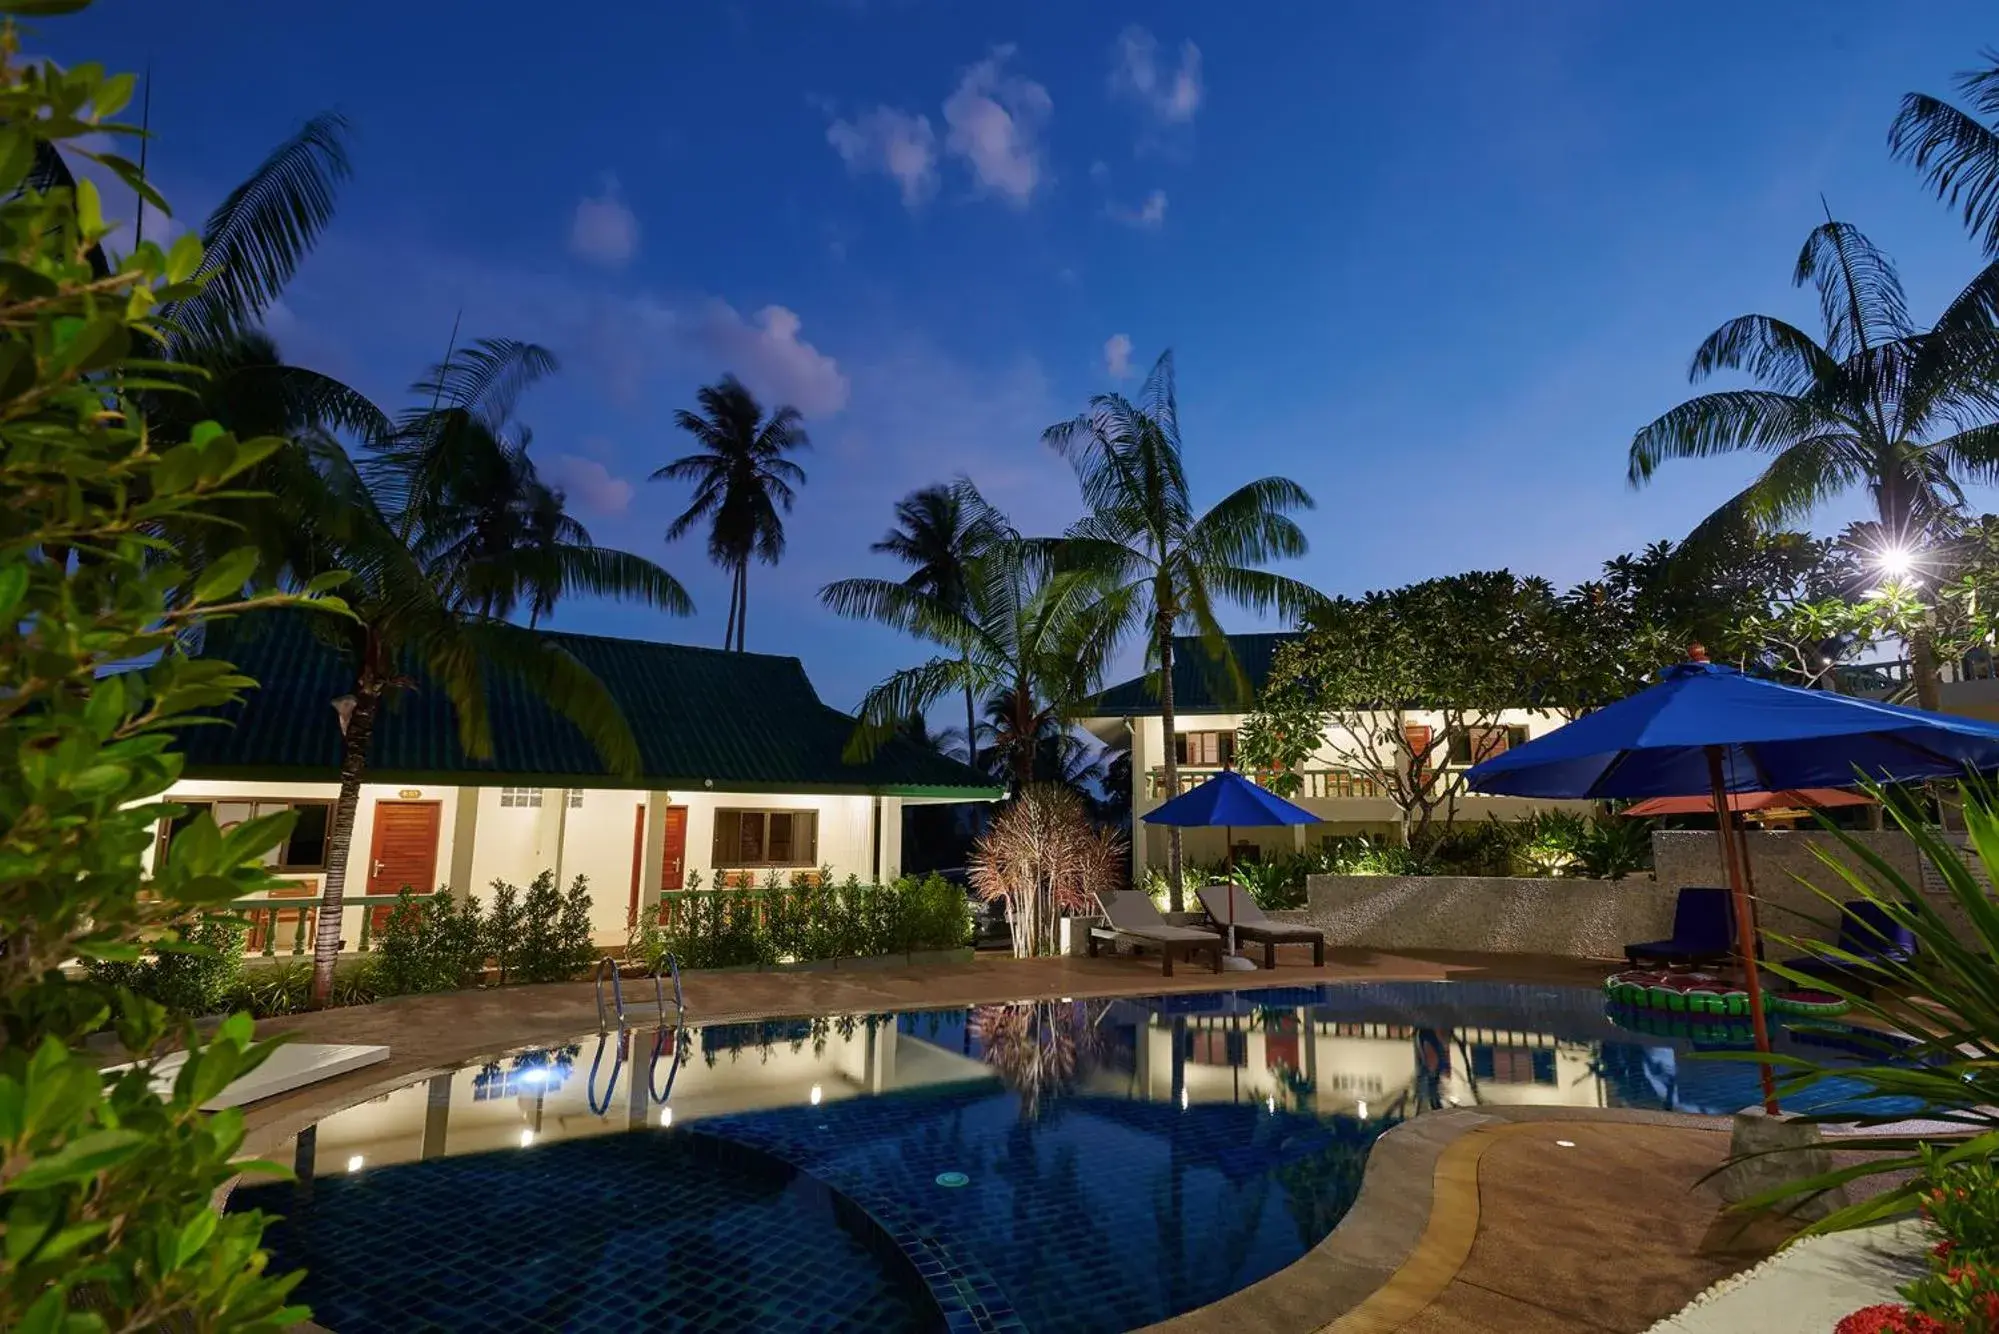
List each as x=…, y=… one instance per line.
x=403, y=850
x=673, y=854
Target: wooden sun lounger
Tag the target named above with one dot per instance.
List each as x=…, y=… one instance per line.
x=1134, y=921
x=1253, y=924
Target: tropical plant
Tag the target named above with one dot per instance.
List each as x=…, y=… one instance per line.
x=1614, y=847
x=1957, y=153
x=938, y=532
x=1031, y=638
x=397, y=522
x=107, y=1186
x=1906, y=413
x=1278, y=882
x=438, y=944
x=1044, y=858
x=1164, y=565
x=1940, y=1005
x=742, y=479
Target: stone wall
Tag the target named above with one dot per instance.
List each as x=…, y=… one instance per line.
x=1786, y=872
x=1586, y=919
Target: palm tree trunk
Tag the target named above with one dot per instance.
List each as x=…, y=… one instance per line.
x=742, y=602
x=729, y=631
x=1923, y=663
x=353, y=763
x=971, y=730
x=1176, y=899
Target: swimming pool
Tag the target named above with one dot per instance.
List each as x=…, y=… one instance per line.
x=1076, y=1166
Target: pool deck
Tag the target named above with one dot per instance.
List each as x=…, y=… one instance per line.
x=1469, y=1220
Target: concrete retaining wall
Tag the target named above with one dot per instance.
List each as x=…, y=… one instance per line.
x=1586, y=919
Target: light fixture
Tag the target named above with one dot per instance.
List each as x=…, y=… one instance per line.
x=1270, y=1104
x=527, y=1138
x=816, y=1095
x=354, y=1162
x=1565, y=1144
x=1360, y=1108
x=534, y=1074
x=1183, y=1099
x=666, y=1116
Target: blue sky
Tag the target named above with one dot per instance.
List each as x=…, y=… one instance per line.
x=1436, y=261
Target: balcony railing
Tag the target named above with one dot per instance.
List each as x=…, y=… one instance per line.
x=1318, y=784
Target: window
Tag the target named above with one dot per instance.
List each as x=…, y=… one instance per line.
x=1477, y=744
x=523, y=797
x=1216, y=749
x=304, y=849
x=766, y=838
x=575, y=798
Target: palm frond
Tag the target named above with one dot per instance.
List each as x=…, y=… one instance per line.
x=464, y=654
x=255, y=239
x=1957, y=156
x=1778, y=355
x=484, y=380
x=1721, y=423
x=1860, y=294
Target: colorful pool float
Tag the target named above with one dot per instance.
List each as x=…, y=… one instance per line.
x=1700, y=1031
x=1677, y=991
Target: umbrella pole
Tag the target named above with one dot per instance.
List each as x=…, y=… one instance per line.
x=1745, y=923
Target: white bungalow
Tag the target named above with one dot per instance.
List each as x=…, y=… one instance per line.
x=742, y=774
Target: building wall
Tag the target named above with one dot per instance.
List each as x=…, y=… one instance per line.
x=1343, y=816
x=595, y=839
x=1576, y=918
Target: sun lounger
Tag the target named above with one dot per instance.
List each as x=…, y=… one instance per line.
x=1703, y=931
x=1869, y=934
x=1134, y=920
x=1231, y=904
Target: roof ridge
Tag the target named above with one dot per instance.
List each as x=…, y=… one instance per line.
x=668, y=643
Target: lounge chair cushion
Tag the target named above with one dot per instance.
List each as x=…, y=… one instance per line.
x=1133, y=914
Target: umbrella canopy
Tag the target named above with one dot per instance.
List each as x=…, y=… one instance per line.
x=1231, y=800
x=1791, y=799
x=1656, y=743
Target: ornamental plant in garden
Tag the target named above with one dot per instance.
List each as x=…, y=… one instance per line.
x=106, y=1213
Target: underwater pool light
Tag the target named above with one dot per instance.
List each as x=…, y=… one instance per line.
x=527, y=1138
x=953, y=1180
x=354, y=1163
x=1360, y=1108
x=666, y=1116
x=1565, y=1144
x=816, y=1095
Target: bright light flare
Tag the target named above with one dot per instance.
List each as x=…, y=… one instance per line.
x=1895, y=562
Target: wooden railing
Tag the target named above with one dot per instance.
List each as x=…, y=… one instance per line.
x=1318, y=784
x=290, y=925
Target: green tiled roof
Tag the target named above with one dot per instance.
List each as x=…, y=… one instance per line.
x=743, y=722
x=1200, y=683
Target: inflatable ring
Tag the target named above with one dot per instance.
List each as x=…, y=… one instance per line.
x=1677, y=991
x=1698, y=1031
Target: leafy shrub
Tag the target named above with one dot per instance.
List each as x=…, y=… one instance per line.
x=1554, y=842
x=1615, y=847
x=1486, y=847
x=503, y=927
x=193, y=972
x=799, y=921
x=437, y=943
x=267, y=990
x=1276, y=883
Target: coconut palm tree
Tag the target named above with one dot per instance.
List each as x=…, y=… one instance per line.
x=741, y=480
x=1166, y=564
x=1907, y=414
x=1957, y=152
x=424, y=587
x=938, y=531
x=1028, y=634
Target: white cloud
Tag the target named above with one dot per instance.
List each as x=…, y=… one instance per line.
x=1149, y=216
x=1170, y=96
x=1117, y=356
x=993, y=122
x=603, y=230
x=771, y=359
x=894, y=143
x=589, y=483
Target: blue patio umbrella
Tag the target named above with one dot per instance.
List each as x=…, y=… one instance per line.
x=1228, y=801
x=1710, y=729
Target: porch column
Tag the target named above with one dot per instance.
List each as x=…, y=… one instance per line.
x=436, y=1115
x=549, y=831
x=1141, y=787
x=888, y=825
x=652, y=858
x=464, y=835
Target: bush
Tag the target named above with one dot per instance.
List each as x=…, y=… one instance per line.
x=433, y=944
x=266, y=990
x=1616, y=847
x=195, y=971
x=791, y=923
x=554, y=943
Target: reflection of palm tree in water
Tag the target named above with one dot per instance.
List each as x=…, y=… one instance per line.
x=1035, y=1046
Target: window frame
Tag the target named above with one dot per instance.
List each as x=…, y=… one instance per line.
x=259, y=807
x=795, y=862
x=520, y=798
x=1225, y=747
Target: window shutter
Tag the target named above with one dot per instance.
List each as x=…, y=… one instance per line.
x=1417, y=737
x=780, y=846
x=807, y=823
x=1225, y=749
x=725, y=839
x=1180, y=747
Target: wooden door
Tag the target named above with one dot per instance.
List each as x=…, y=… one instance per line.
x=403, y=850
x=673, y=853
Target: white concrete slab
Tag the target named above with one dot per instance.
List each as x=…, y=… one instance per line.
x=292, y=1066
x=1808, y=1287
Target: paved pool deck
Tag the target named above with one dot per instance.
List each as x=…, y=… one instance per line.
x=1472, y=1220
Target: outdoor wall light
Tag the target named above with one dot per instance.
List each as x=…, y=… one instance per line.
x=1565, y=1144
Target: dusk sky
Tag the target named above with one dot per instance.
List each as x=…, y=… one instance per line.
x=1435, y=261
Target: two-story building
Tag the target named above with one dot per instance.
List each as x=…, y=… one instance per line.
x=742, y=775
x=1209, y=707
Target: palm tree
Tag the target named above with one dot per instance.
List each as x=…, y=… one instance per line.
x=741, y=478
x=938, y=531
x=1164, y=564
x=421, y=592
x=1908, y=414
x=1957, y=153
x=1028, y=634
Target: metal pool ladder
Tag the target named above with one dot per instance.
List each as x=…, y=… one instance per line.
x=667, y=967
